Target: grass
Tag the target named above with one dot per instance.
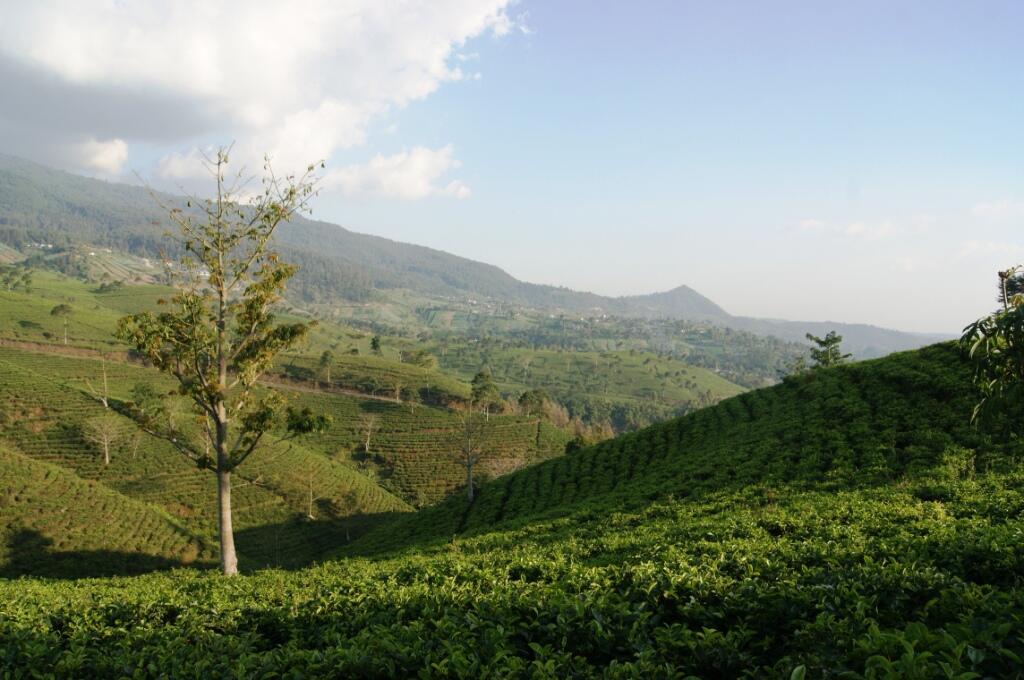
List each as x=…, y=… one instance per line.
x=846, y=525
x=59, y=525
x=47, y=399
x=630, y=389
x=866, y=423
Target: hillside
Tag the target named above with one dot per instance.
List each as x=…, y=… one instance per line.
x=640, y=386
x=56, y=524
x=626, y=389
x=862, y=425
x=847, y=524
x=38, y=204
x=45, y=409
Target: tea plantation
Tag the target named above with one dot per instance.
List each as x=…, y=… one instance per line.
x=846, y=524
x=292, y=503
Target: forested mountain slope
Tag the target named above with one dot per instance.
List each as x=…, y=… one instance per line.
x=39, y=204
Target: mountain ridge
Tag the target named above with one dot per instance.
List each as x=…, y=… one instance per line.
x=42, y=203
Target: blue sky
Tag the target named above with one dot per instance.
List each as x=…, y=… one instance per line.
x=858, y=162
x=632, y=147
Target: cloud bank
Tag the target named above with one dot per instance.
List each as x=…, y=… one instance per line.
x=89, y=82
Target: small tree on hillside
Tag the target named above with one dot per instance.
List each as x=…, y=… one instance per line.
x=484, y=392
x=826, y=351
x=534, y=403
x=100, y=394
x=995, y=345
x=471, y=439
x=313, y=492
x=103, y=432
x=324, y=365
x=14, y=278
x=375, y=344
x=412, y=398
x=63, y=311
x=369, y=423
x=219, y=334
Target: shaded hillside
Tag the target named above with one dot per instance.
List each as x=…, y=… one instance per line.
x=38, y=204
x=56, y=524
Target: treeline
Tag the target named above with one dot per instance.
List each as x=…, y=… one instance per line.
x=743, y=358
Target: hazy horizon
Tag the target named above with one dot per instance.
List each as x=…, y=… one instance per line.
x=858, y=164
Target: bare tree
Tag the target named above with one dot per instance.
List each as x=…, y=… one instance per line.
x=470, y=439
x=369, y=423
x=103, y=431
x=135, y=440
x=314, y=492
x=63, y=311
x=101, y=395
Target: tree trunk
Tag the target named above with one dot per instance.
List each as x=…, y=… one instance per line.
x=469, y=482
x=65, y=330
x=228, y=558
x=106, y=453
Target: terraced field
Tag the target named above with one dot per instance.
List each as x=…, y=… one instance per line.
x=848, y=524
x=54, y=523
x=774, y=437
x=292, y=502
x=413, y=451
x=45, y=400
x=375, y=376
x=628, y=389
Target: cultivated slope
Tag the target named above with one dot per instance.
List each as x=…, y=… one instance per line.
x=45, y=411
x=56, y=524
x=863, y=424
x=846, y=525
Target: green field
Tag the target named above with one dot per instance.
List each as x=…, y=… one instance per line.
x=629, y=389
x=850, y=523
x=47, y=401
x=626, y=389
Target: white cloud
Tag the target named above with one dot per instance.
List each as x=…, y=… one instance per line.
x=180, y=165
x=859, y=230
x=297, y=81
x=999, y=210
x=870, y=231
x=408, y=175
x=975, y=247
x=809, y=225
x=107, y=157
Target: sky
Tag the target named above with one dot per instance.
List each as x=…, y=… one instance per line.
x=856, y=162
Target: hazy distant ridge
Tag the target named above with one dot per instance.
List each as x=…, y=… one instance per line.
x=41, y=204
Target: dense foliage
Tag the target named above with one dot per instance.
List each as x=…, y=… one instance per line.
x=995, y=344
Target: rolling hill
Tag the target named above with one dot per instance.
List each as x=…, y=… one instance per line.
x=42, y=205
x=850, y=523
